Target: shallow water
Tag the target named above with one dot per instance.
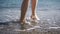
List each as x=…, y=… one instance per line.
x=47, y=18
x=47, y=10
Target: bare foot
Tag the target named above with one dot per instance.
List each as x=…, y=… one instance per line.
x=34, y=17
x=33, y=20
x=25, y=25
x=22, y=24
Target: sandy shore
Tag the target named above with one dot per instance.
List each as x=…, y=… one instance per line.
x=48, y=18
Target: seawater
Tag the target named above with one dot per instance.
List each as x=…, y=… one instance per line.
x=48, y=10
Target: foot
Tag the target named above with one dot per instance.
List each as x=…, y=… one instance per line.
x=34, y=20
x=34, y=17
x=25, y=25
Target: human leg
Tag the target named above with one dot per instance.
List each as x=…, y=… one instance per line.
x=24, y=7
x=34, y=5
x=23, y=11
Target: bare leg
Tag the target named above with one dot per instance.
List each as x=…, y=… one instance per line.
x=23, y=11
x=34, y=4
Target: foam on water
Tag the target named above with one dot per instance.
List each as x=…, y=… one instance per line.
x=48, y=12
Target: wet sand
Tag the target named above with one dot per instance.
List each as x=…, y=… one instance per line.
x=10, y=29
x=48, y=18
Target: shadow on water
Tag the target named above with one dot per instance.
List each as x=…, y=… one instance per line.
x=7, y=23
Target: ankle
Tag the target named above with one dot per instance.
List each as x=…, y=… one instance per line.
x=22, y=21
x=35, y=17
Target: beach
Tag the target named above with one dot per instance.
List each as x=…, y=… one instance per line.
x=48, y=12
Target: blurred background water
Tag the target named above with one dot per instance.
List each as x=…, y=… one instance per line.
x=47, y=10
